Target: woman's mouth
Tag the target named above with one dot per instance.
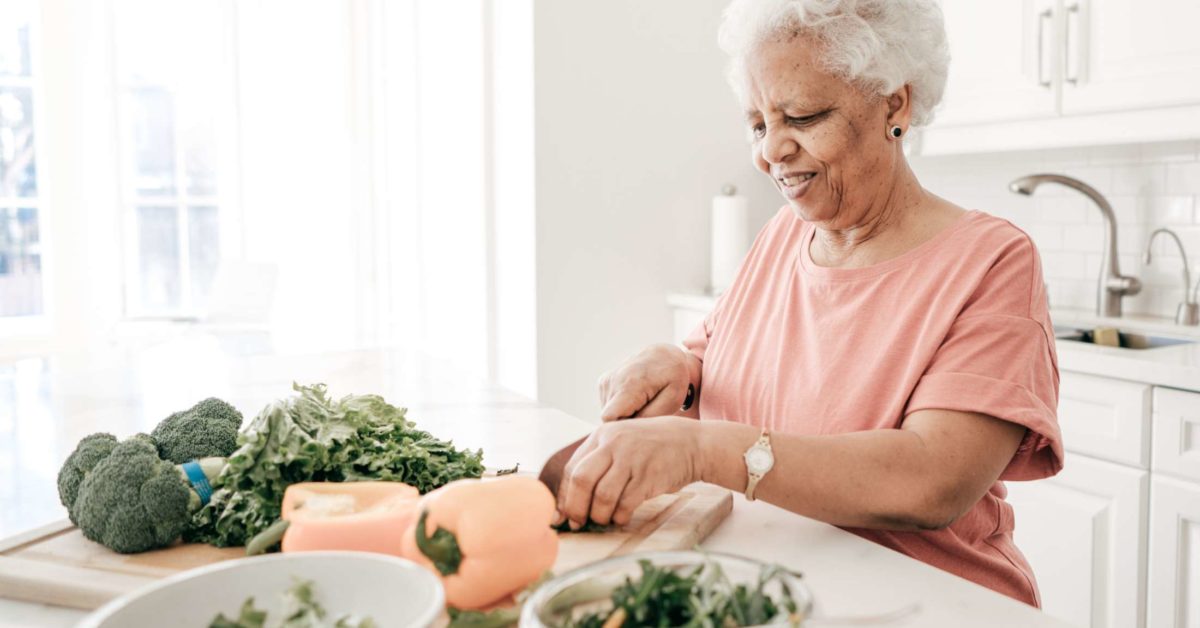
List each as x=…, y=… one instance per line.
x=794, y=185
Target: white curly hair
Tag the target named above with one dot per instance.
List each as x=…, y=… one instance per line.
x=879, y=45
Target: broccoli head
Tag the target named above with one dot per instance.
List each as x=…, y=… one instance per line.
x=209, y=428
x=133, y=501
x=91, y=450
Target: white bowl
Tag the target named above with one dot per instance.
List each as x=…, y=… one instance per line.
x=392, y=591
x=590, y=586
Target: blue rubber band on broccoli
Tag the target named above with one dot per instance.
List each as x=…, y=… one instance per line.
x=198, y=480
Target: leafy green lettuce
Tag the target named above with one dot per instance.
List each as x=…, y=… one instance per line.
x=311, y=437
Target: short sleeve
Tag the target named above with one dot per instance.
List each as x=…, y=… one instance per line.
x=998, y=359
x=696, y=342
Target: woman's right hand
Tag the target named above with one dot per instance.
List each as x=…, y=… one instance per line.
x=652, y=383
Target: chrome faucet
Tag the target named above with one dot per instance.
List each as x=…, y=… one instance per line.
x=1188, y=312
x=1112, y=285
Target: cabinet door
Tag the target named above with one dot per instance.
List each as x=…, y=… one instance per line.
x=1122, y=54
x=1105, y=418
x=996, y=72
x=1174, y=554
x=1177, y=433
x=1083, y=532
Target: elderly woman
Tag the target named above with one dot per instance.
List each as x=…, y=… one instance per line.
x=884, y=358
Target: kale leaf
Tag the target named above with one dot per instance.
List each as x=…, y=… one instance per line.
x=311, y=437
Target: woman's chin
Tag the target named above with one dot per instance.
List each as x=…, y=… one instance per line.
x=806, y=211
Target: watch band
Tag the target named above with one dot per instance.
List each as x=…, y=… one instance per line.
x=752, y=478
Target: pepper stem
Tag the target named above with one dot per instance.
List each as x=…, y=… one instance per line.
x=268, y=538
x=441, y=548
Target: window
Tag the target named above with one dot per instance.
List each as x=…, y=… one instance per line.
x=21, y=277
x=173, y=93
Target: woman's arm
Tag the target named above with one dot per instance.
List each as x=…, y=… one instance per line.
x=922, y=476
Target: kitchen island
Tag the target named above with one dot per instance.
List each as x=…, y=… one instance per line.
x=48, y=403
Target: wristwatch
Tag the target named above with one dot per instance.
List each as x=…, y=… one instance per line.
x=759, y=460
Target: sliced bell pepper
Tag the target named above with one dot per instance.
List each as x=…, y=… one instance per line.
x=360, y=516
x=486, y=539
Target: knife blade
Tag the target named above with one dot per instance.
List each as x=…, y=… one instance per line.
x=552, y=471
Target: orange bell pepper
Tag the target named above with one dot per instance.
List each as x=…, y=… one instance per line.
x=486, y=539
x=361, y=516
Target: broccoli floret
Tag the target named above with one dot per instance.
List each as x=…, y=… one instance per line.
x=91, y=450
x=209, y=428
x=133, y=501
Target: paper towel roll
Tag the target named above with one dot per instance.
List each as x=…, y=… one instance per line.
x=730, y=237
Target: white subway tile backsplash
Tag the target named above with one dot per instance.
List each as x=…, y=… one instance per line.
x=1183, y=178
x=1148, y=185
x=1062, y=210
x=1129, y=210
x=1114, y=155
x=1047, y=237
x=1172, y=211
x=1083, y=238
x=1165, y=152
x=1140, y=180
x=1061, y=265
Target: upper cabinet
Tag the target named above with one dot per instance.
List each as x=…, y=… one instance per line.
x=1055, y=73
x=1001, y=65
x=1120, y=55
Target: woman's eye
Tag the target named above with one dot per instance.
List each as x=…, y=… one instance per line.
x=803, y=120
x=759, y=130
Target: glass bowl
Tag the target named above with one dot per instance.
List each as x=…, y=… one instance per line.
x=589, y=588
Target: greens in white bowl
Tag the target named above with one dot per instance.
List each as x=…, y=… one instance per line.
x=350, y=586
x=670, y=589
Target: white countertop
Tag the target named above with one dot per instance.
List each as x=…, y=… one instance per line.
x=65, y=398
x=1176, y=366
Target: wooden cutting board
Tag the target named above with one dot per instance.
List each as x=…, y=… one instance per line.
x=55, y=565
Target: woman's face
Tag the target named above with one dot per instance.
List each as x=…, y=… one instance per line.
x=822, y=141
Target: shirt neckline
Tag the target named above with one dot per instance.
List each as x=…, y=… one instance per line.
x=809, y=267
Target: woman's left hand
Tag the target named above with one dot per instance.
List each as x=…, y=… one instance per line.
x=624, y=463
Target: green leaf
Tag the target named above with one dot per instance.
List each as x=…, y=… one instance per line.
x=311, y=437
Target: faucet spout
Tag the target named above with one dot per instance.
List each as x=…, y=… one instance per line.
x=1112, y=285
x=1188, y=312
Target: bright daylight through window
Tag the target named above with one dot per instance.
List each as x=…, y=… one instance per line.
x=172, y=86
x=21, y=278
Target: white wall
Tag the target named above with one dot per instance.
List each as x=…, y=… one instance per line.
x=1148, y=185
x=636, y=130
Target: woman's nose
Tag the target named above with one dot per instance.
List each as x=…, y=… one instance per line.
x=777, y=146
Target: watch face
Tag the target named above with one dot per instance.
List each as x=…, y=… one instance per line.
x=759, y=460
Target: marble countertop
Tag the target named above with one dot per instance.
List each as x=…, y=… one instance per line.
x=1175, y=366
x=48, y=403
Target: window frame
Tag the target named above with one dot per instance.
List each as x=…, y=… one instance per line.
x=34, y=324
x=226, y=200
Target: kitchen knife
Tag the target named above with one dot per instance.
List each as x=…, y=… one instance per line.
x=552, y=471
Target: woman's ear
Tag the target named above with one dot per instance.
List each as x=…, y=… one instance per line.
x=900, y=107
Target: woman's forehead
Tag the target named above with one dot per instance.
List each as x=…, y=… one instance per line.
x=787, y=75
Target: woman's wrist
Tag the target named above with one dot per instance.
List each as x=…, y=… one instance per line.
x=720, y=445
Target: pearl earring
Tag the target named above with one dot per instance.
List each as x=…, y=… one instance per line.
x=897, y=132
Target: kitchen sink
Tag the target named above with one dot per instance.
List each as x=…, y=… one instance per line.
x=1128, y=339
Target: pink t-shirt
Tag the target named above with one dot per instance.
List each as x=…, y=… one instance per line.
x=958, y=323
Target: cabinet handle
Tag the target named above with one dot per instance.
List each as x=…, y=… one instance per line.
x=1072, y=69
x=1043, y=17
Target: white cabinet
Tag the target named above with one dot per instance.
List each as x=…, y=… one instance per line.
x=1083, y=532
x=1174, y=554
x=1125, y=54
x=1001, y=61
x=1105, y=418
x=1028, y=74
x=1177, y=433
